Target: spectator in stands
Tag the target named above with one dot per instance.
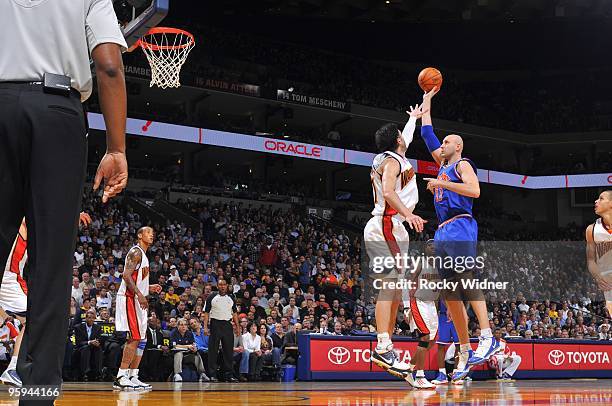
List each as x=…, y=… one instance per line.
x=88, y=346
x=201, y=340
x=183, y=342
x=252, y=344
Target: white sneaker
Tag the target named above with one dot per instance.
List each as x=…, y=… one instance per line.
x=422, y=383
x=139, y=384
x=204, y=377
x=123, y=383
x=11, y=377
x=390, y=362
x=487, y=346
x=178, y=378
x=463, y=367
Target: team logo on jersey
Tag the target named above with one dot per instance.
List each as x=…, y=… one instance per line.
x=406, y=177
x=438, y=191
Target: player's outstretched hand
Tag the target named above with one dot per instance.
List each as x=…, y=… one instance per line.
x=113, y=169
x=432, y=184
x=417, y=111
x=429, y=95
x=84, y=219
x=415, y=222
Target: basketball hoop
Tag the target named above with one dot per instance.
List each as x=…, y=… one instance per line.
x=167, y=50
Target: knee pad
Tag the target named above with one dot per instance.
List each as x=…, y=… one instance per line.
x=424, y=344
x=141, y=346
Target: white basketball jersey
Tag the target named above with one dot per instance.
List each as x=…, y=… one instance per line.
x=140, y=276
x=405, y=185
x=603, y=249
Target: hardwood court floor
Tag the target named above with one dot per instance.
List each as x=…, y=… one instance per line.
x=339, y=393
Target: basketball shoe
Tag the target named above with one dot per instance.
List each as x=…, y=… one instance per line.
x=138, y=384
x=441, y=379
x=420, y=382
x=11, y=377
x=487, y=346
x=123, y=383
x=463, y=367
x=389, y=360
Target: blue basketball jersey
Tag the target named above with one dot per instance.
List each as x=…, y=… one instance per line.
x=450, y=204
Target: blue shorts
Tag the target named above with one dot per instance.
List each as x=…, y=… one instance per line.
x=456, y=239
x=446, y=331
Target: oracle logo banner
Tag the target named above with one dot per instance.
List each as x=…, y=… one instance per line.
x=293, y=148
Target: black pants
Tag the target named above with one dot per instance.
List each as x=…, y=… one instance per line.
x=90, y=361
x=112, y=353
x=43, y=155
x=220, y=332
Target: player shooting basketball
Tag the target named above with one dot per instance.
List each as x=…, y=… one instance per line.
x=131, y=310
x=14, y=293
x=395, y=196
x=599, y=246
x=454, y=190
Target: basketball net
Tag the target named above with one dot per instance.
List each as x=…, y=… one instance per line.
x=167, y=50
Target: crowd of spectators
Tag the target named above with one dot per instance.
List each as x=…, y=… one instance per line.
x=538, y=103
x=288, y=273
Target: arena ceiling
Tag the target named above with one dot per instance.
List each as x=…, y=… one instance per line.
x=421, y=10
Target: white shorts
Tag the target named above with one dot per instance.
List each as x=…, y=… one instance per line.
x=385, y=236
x=424, y=317
x=13, y=293
x=130, y=317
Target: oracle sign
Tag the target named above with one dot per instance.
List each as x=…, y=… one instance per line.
x=292, y=148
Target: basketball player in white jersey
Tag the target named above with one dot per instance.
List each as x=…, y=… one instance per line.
x=14, y=293
x=420, y=309
x=599, y=246
x=395, y=196
x=131, y=310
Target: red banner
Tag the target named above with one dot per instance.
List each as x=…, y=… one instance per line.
x=340, y=356
x=567, y=356
x=428, y=168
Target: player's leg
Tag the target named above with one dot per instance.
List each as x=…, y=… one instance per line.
x=126, y=322
x=140, y=347
x=383, y=236
x=10, y=375
x=509, y=370
x=426, y=319
x=57, y=165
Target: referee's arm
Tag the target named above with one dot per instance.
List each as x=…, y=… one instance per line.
x=207, y=306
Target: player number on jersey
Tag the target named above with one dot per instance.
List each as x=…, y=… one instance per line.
x=438, y=191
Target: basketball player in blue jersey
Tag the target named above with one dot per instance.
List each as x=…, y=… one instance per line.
x=454, y=190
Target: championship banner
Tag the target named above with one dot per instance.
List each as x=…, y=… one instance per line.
x=292, y=97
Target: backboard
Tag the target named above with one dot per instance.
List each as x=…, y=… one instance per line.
x=137, y=17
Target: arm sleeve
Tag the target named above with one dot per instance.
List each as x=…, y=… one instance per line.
x=408, y=133
x=101, y=25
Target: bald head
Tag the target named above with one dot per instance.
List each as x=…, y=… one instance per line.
x=451, y=146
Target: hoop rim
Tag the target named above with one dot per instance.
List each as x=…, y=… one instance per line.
x=166, y=30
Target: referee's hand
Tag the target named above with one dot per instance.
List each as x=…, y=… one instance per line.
x=114, y=170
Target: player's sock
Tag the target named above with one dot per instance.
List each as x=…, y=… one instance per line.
x=122, y=372
x=133, y=372
x=442, y=370
x=420, y=373
x=486, y=332
x=384, y=343
x=466, y=347
x=13, y=363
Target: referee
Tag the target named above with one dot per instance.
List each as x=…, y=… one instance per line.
x=221, y=309
x=45, y=75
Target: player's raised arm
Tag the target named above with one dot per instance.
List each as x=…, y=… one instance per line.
x=427, y=132
x=391, y=170
x=415, y=113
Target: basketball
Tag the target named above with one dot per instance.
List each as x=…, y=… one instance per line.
x=430, y=77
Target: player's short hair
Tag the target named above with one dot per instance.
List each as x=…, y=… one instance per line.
x=386, y=137
x=142, y=229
